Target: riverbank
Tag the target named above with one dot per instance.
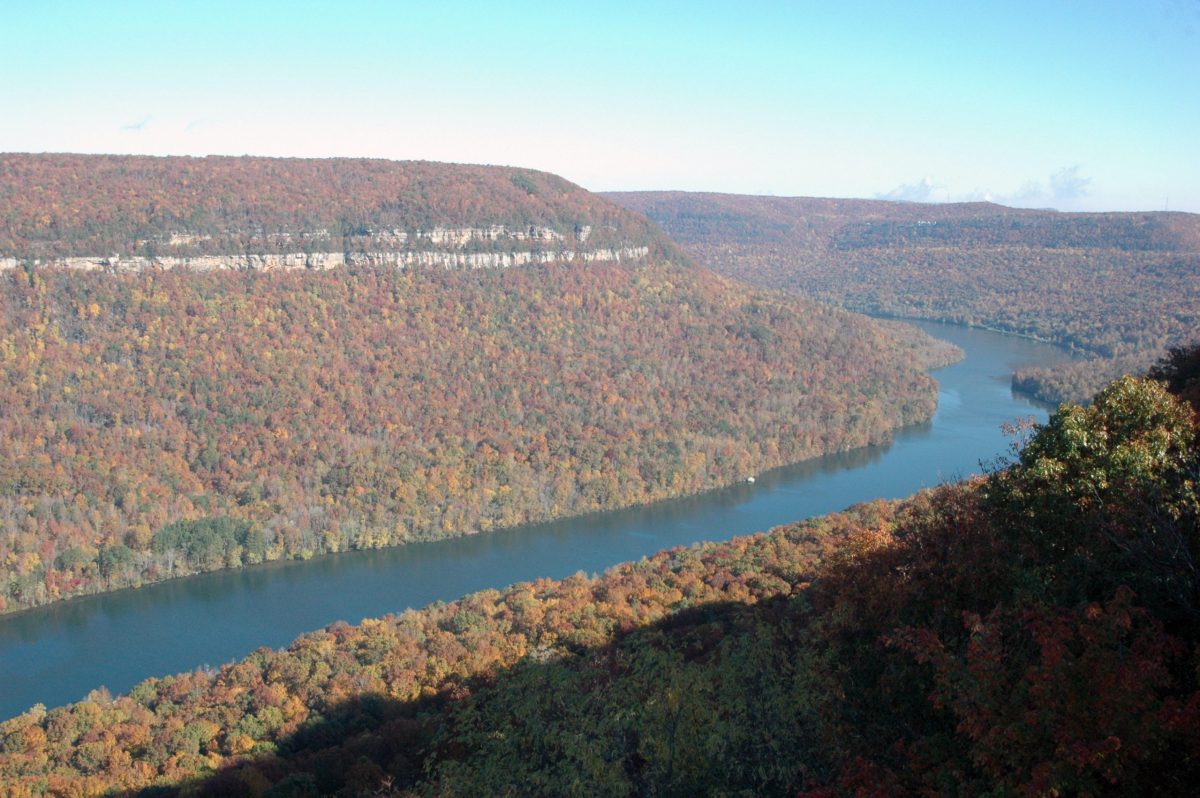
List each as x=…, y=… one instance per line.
x=58, y=653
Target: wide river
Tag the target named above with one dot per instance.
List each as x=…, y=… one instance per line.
x=58, y=653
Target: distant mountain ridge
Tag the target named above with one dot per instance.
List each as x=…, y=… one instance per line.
x=856, y=223
x=108, y=209
x=1121, y=286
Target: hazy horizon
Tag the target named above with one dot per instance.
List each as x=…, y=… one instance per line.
x=1077, y=108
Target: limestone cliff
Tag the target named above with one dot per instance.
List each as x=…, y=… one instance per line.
x=449, y=257
x=133, y=213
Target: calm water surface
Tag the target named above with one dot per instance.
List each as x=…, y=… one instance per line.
x=56, y=654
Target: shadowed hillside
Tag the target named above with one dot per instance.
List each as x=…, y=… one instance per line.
x=1034, y=632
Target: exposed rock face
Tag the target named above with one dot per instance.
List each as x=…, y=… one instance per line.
x=296, y=261
x=447, y=243
x=461, y=236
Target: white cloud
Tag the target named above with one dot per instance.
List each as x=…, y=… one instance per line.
x=921, y=191
x=1068, y=184
x=1060, y=189
x=1030, y=191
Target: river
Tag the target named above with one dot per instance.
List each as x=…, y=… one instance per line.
x=56, y=654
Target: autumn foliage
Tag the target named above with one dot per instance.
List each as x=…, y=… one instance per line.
x=102, y=205
x=1033, y=632
x=378, y=689
x=1120, y=287
x=163, y=424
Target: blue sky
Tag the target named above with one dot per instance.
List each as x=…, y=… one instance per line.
x=1057, y=103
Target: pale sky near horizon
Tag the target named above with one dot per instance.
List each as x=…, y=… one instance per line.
x=1041, y=103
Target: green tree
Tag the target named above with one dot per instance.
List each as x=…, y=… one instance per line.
x=115, y=561
x=1106, y=495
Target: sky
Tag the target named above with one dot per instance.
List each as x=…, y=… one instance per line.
x=1071, y=104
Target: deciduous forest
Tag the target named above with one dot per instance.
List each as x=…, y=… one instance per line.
x=160, y=423
x=331, y=471
x=1034, y=631
x=101, y=205
x=163, y=424
x=1120, y=287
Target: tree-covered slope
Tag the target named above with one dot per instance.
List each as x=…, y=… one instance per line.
x=1120, y=286
x=210, y=362
x=1034, y=632
x=161, y=424
x=101, y=205
x=370, y=698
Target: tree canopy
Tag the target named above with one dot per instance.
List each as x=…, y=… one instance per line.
x=997, y=637
x=202, y=421
x=1120, y=287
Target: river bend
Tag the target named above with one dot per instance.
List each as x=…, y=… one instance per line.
x=56, y=654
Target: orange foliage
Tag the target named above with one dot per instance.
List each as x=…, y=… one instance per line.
x=202, y=421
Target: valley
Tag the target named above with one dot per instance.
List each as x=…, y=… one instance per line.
x=58, y=653
x=623, y=400
x=1119, y=287
x=164, y=420
x=879, y=648
x=514, y=387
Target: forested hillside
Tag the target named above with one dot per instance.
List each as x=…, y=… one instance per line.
x=1034, y=632
x=162, y=424
x=1122, y=287
x=212, y=362
x=102, y=205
